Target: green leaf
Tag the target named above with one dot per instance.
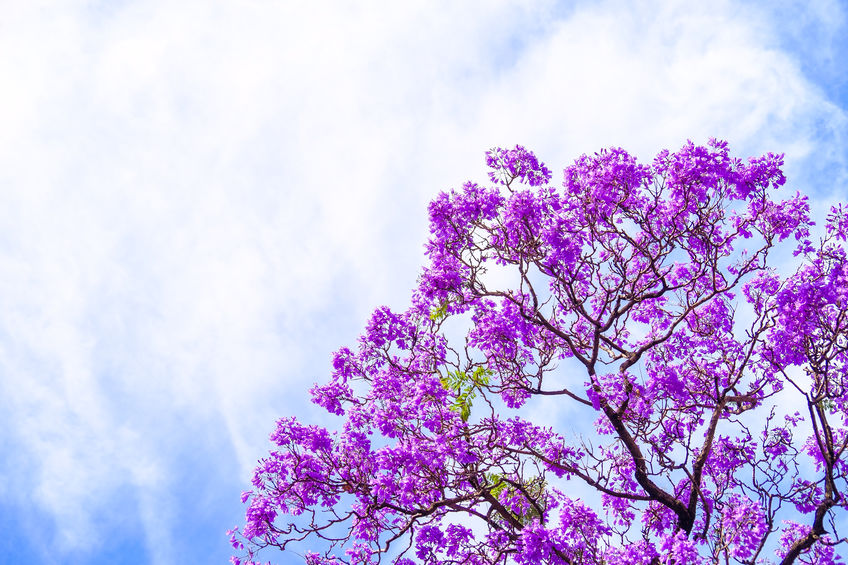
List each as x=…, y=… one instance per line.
x=465, y=387
x=828, y=404
x=499, y=484
x=481, y=376
x=440, y=313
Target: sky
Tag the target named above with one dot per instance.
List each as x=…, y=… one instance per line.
x=201, y=200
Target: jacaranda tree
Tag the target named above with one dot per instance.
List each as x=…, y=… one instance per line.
x=643, y=300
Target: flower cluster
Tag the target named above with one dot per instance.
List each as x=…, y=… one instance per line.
x=617, y=292
x=519, y=164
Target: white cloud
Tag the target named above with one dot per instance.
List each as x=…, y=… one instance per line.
x=205, y=198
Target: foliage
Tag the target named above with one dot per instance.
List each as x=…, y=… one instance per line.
x=636, y=296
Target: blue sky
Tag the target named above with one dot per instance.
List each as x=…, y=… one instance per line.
x=201, y=200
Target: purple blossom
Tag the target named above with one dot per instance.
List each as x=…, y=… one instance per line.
x=510, y=164
x=618, y=295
